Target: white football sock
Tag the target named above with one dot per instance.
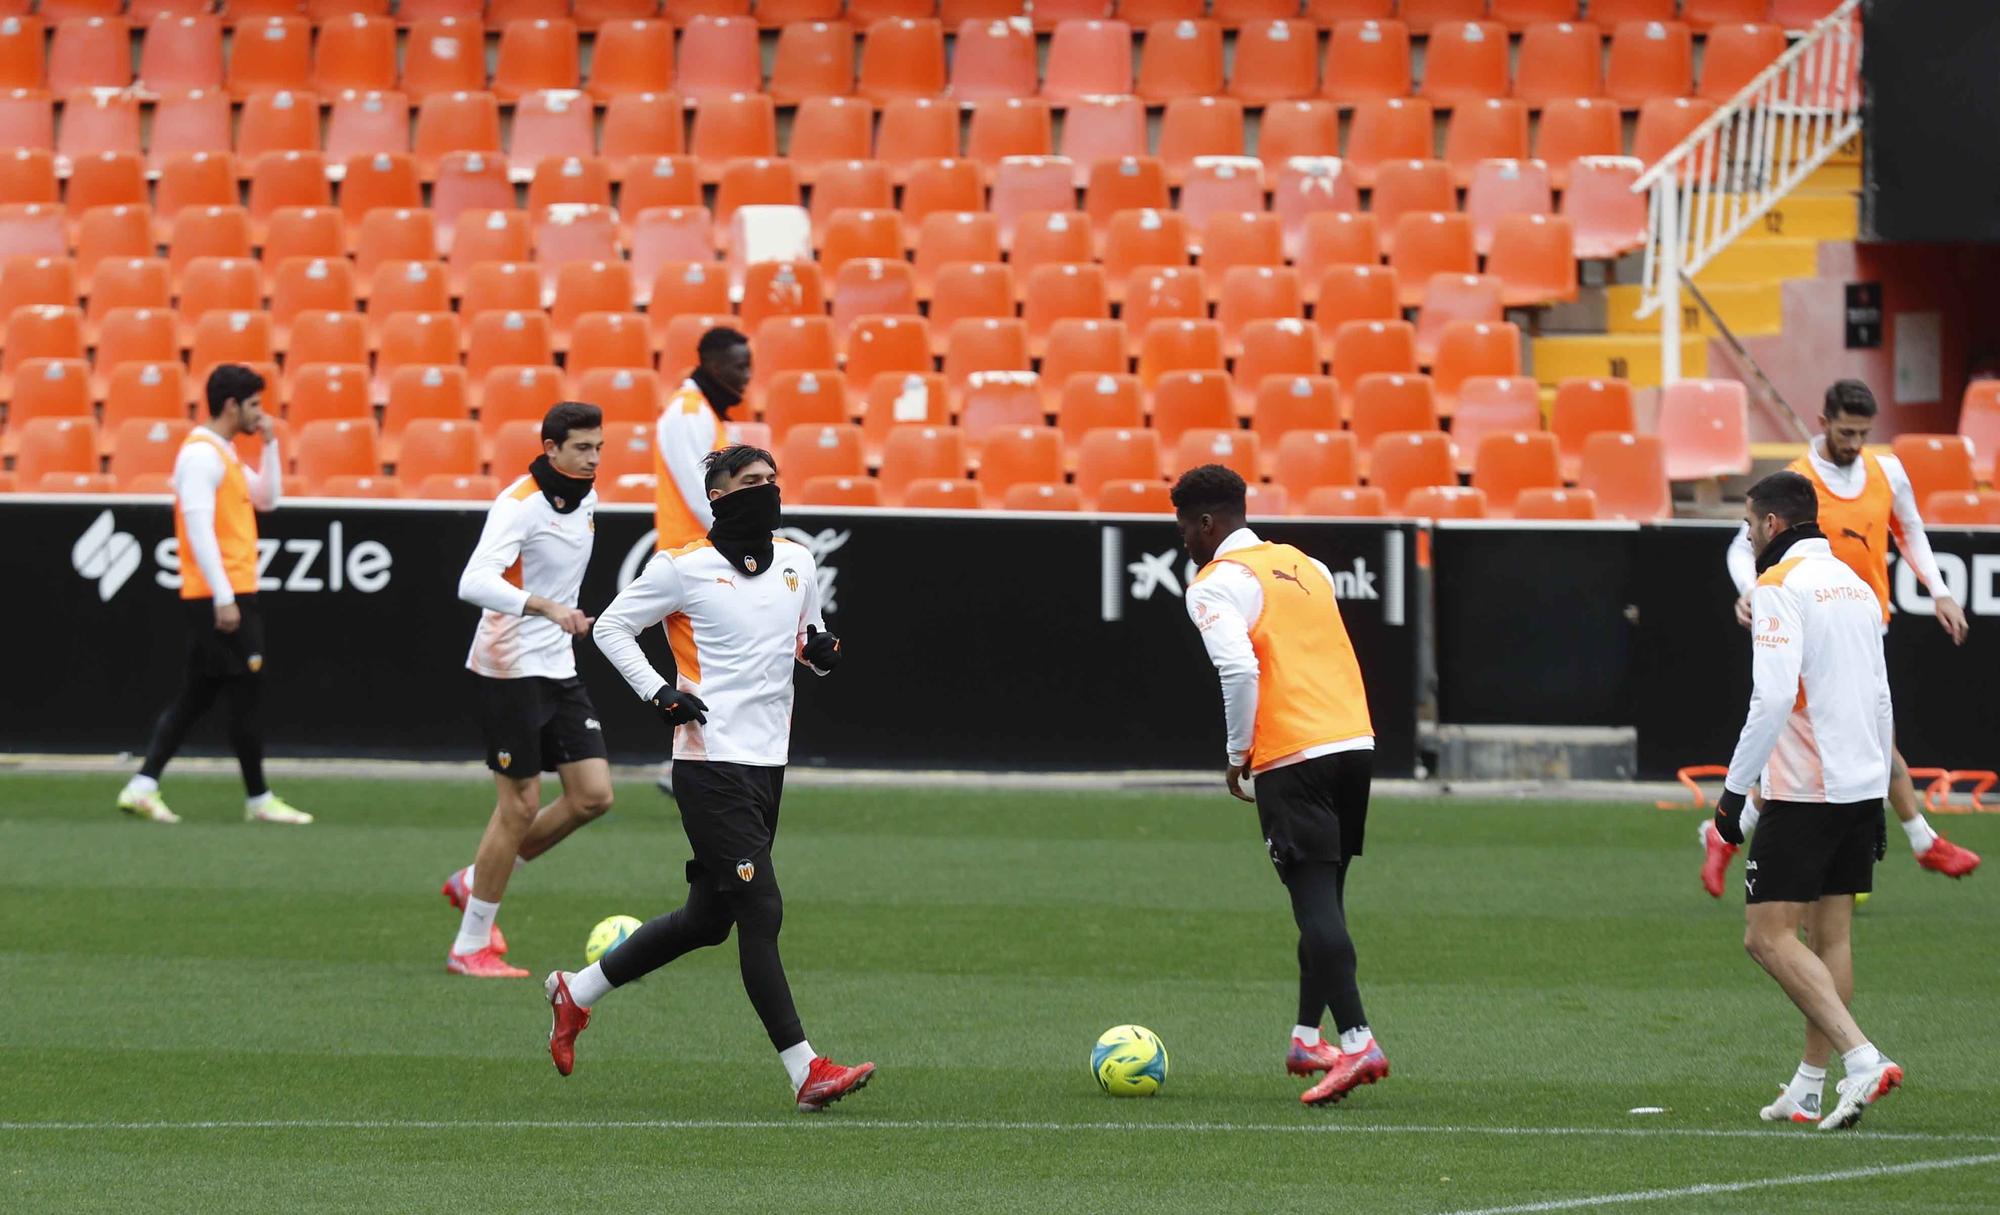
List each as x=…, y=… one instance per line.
x=1354, y=1041
x=798, y=1061
x=1861, y=1058
x=1920, y=833
x=1307, y=1035
x=475, y=927
x=1808, y=1081
x=254, y=804
x=588, y=986
x=472, y=871
x=1751, y=813
x=142, y=784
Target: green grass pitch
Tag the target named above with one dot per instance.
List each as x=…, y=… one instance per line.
x=224, y=1017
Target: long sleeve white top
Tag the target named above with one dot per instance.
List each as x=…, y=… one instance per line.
x=1848, y=482
x=687, y=430
x=526, y=548
x=197, y=475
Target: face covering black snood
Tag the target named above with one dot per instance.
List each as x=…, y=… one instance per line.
x=744, y=521
x=1782, y=543
x=563, y=491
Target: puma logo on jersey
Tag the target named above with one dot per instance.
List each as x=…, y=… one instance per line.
x=1292, y=578
x=1851, y=534
x=729, y=582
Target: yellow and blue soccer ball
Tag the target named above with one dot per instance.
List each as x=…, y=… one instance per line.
x=1129, y=1061
x=610, y=932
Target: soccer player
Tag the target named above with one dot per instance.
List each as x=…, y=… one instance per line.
x=691, y=427
x=1863, y=500
x=741, y=608
x=1297, y=718
x=216, y=500
x=1820, y=731
x=533, y=709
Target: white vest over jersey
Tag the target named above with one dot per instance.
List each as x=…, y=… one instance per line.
x=735, y=640
x=527, y=548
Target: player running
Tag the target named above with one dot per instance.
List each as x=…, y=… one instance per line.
x=1820, y=730
x=1863, y=500
x=216, y=500
x=740, y=607
x=533, y=709
x=1298, y=722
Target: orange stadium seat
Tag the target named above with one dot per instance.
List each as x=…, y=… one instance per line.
x=1735, y=54
x=1465, y=61
x=915, y=129
x=626, y=394
x=685, y=286
x=780, y=288
x=30, y=279
x=1285, y=403
x=1962, y=508
x=920, y=453
x=853, y=185
x=1608, y=219
x=869, y=286
x=269, y=54
x=648, y=181
x=511, y=338
x=1239, y=238
x=575, y=233
x=438, y=447
x=23, y=62
x=798, y=398
x=383, y=179
x=1234, y=14
x=1276, y=60
x=1113, y=454
x=536, y=54
x=1256, y=293
x=49, y=388
x=1490, y=405
x=1285, y=348
x=1446, y=502
x=444, y=55
x=1575, y=127
x=831, y=130
x=1191, y=400
x=458, y=487
x=1298, y=128
x=1405, y=186
x=1157, y=293
x=877, y=345
x=115, y=232
x=840, y=491
x=1237, y=450
x=282, y=121
x=41, y=331
x=310, y=284
x=1335, y=238
x=609, y=339
x=1936, y=463
x=421, y=391
x=97, y=121
x=549, y=124
x=327, y=337
x=286, y=179
x=719, y=57
x=450, y=123
x=1045, y=237
x=1395, y=128
x=1454, y=297
x=1425, y=16
x=1057, y=293
x=180, y=53
x=1142, y=13
x=1492, y=128
x=1083, y=344
x=1979, y=419
x=1199, y=126
x=758, y=181
x=1009, y=126
x=582, y=288
x=1221, y=185
x=1611, y=13
x=630, y=55
x=1098, y=401
x=1535, y=257
x=1505, y=187
x=940, y=185
x=1145, y=237
x=89, y=52
x=135, y=334
x=1628, y=475
x=1553, y=504
x=1344, y=502
x=356, y=485
x=1649, y=60
x=794, y=343
x=1584, y=407
x=1558, y=59
x=47, y=446
x=1382, y=403
x=862, y=233
x=1180, y=59
x=1403, y=462
x=356, y=52
x=945, y=237
x=335, y=447
x=467, y=181
x=898, y=399
x=1705, y=425
x=1029, y=495
x=1473, y=348
x=640, y=127
x=146, y=447
x=193, y=179
x=328, y=391
x=1427, y=243
x=977, y=344
x=815, y=59
x=993, y=60
x=1168, y=346
x=1367, y=60
x=1088, y=59
x=1309, y=460
x=1103, y=128
x=1704, y=15
x=902, y=57
x=1026, y=184
x=401, y=283
x=517, y=392
x=1134, y=498
x=991, y=399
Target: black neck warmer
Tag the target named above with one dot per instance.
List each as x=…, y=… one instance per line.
x=719, y=398
x=744, y=521
x=563, y=491
x=1775, y=551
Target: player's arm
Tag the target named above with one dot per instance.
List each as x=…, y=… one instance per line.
x=1742, y=562
x=1778, y=649
x=683, y=439
x=266, y=481
x=1225, y=632
x=818, y=649
x=197, y=475
x=1908, y=526
x=652, y=597
x=484, y=583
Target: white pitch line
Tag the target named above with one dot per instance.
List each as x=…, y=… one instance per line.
x=916, y=1124
x=1736, y=1187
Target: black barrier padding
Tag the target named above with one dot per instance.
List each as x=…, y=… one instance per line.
x=969, y=642
x=1532, y=626
x=1931, y=121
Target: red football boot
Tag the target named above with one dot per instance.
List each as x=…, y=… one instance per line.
x=484, y=964
x=827, y=1082
x=1303, y=1060
x=1948, y=858
x=1347, y=1074
x=571, y=1019
x=456, y=890
x=1715, y=863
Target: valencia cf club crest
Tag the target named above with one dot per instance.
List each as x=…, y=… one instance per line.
x=561, y=504
x=791, y=579
x=255, y=662
x=506, y=758
x=745, y=870
x=749, y=567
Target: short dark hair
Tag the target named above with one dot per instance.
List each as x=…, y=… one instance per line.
x=1210, y=489
x=231, y=382
x=568, y=416
x=718, y=340
x=1787, y=495
x=721, y=465
x=1850, y=396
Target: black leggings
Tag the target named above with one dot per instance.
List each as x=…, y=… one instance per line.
x=757, y=910
x=243, y=695
x=1326, y=951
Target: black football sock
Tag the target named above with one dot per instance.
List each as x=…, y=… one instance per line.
x=197, y=693
x=1316, y=888
x=245, y=695
x=760, y=913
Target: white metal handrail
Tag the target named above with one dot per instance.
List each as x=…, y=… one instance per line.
x=1743, y=159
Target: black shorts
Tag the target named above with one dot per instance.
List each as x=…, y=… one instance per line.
x=730, y=814
x=533, y=724
x=218, y=655
x=1804, y=850
x=1317, y=809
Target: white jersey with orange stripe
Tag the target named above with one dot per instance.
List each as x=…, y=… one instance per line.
x=527, y=547
x=734, y=637
x=1821, y=726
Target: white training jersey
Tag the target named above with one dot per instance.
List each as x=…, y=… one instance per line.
x=734, y=638
x=527, y=548
x=1821, y=726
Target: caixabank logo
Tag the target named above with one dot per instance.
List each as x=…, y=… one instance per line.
x=108, y=556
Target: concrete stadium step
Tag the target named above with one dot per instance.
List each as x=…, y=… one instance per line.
x=1816, y=213
x=1747, y=308
x=1635, y=357
x=1834, y=176
x=1762, y=259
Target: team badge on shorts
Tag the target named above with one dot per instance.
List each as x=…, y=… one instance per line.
x=745, y=870
x=255, y=662
x=791, y=579
x=505, y=757
x=749, y=565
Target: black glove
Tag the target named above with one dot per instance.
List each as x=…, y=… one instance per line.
x=1729, y=817
x=679, y=708
x=821, y=650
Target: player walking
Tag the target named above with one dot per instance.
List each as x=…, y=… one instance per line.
x=533, y=709
x=740, y=607
x=1820, y=730
x=1298, y=722
x=1863, y=500
x=216, y=500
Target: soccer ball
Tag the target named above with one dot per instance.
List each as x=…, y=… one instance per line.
x=609, y=933
x=1861, y=900
x=1129, y=1061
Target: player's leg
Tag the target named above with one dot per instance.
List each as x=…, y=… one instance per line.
x=1799, y=1100
x=516, y=800
x=1771, y=937
x=200, y=683
x=575, y=742
x=1337, y=788
x=243, y=698
x=1932, y=850
x=1850, y=871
